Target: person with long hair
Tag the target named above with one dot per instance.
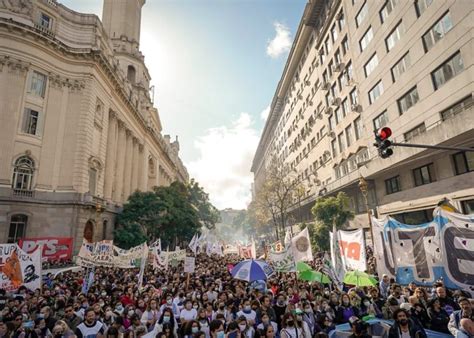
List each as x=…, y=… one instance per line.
x=290, y=328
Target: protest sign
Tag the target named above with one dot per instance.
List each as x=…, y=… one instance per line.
x=189, y=264
x=54, y=248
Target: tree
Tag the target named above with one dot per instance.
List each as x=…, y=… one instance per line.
x=330, y=212
x=277, y=193
x=174, y=214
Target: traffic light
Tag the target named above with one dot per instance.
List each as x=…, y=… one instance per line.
x=382, y=142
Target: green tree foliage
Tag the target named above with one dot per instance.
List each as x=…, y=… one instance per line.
x=174, y=214
x=329, y=212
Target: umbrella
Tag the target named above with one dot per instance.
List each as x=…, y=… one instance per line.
x=302, y=266
x=251, y=270
x=314, y=276
x=359, y=278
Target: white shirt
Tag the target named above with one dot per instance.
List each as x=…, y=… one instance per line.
x=249, y=316
x=188, y=315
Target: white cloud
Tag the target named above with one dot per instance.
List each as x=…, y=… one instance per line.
x=223, y=166
x=264, y=113
x=281, y=43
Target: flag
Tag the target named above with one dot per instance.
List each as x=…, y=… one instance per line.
x=287, y=240
x=194, y=243
x=329, y=271
x=156, y=244
x=142, y=265
x=253, y=251
x=336, y=259
x=301, y=246
x=282, y=261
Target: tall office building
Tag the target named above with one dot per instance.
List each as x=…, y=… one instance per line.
x=356, y=66
x=78, y=131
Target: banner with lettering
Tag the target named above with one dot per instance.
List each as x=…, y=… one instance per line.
x=54, y=248
x=19, y=268
x=282, y=261
x=424, y=253
x=352, y=246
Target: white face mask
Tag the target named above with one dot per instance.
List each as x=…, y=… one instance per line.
x=366, y=304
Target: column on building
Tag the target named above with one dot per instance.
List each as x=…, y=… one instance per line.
x=127, y=177
x=122, y=142
x=136, y=158
x=143, y=168
x=111, y=155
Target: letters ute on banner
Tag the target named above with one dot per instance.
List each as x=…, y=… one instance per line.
x=424, y=253
x=19, y=268
x=54, y=248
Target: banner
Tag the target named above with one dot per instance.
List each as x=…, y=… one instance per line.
x=54, y=248
x=102, y=254
x=160, y=258
x=301, y=246
x=189, y=264
x=19, y=268
x=336, y=260
x=142, y=265
x=231, y=250
x=352, y=247
x=282, y=261
x=424, y=253
x=194, y=243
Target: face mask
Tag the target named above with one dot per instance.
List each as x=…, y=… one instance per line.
x=290, y=323
x=131, y=312
x=104, y=293
x=242, y=327
x=196, y=307
x=281, y=302
x=169, y=301
x=404, y=322
x=194, y=329
x=308, y=310
x=220, y=334
x=345, y=302
x=166, y=319
x=41, y=316
x=101, y=304
x=247, y=308
x=366, y=304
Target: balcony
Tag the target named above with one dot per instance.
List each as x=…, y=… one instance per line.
x=23, y=193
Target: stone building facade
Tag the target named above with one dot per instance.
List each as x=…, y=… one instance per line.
x=78, y=129
x=356, y=66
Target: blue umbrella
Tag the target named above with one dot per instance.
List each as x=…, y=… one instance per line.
x=251, y=270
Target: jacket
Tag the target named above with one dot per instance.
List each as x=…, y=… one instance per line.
x=416, y=331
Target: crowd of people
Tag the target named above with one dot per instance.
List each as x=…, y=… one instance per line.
x=210, y=303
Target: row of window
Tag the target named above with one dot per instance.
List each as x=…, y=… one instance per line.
x=463, y=163
x=346, y=138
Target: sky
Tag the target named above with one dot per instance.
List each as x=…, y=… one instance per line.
x=215, y=65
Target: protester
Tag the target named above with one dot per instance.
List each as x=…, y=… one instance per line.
x=455, y=318
x=404, y=326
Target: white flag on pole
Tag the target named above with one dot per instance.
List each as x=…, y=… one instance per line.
x=194, y=243
x=301, y=246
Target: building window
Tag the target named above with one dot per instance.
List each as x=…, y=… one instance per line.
x=332, y=122
x=376, y=92
x=37, y=84
x=394, y=36
x=457, y=108
x=437, y=32
x=337, y=57
x=381, y=120
x=408, y=100
x=17, y=228
x=322, y=56
x=366, y=38
x=400, y=67
x=354, y=97
x=330, y=68
x=334, y=33
x=46, y=21
x=387, y=9
x=345, y=106
x=339, y=116
x=328, y=45
x=341, y=20
x=334, y=148
x=92, y=181
x=345, y=46
x=392, y=185
x=415, y=217
x=362, y=14
x=131, y=74
x=23, y=174
x=419, y=129
x=463, y=162
x=348, y=71
x=449, y=69
x=423, y=175
x=370, y=65
x=421, y=5
x=349, y=136
x=358, y=128
x=340, y=139
x=467, y=207
x=30, y=122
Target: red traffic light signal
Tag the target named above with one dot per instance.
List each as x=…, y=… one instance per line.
x=384, y=133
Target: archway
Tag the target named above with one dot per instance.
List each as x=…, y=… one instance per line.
x=89, y=231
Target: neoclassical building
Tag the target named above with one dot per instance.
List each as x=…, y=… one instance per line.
x=78, y=128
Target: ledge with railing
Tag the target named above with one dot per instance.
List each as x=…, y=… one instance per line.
x=23, y=193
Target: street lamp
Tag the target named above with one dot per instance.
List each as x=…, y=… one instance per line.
x=364, y=189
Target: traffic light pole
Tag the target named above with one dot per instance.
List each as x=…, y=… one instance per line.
x=411, y=145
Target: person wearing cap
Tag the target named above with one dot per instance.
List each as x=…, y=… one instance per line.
x=358, y=327
x=405, y=327
x=456, y=316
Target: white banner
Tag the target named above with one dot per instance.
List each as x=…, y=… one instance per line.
x=301, y=246
x=189, y=264
x=19, y=268
x=282, y=261
x=441, y=249
x=352, y=246
x=230, y=249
